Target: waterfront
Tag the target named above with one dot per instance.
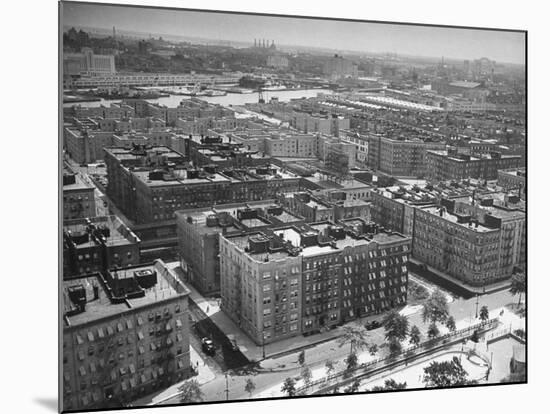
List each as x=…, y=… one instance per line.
x=227, y=100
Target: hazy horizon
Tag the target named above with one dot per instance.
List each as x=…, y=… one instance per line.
x=417, y=40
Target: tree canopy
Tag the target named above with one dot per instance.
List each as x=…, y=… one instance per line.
x=446, y=374
x=191, y=392
x=435, y=309
x=396, y=326
x=289, y=386
x=356, y=337
x=390, y=385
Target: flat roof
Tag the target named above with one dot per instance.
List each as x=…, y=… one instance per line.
x=454, y=219
x=167, y=287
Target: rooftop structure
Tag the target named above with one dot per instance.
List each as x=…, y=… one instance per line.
x=97, y=244
x=199, y=230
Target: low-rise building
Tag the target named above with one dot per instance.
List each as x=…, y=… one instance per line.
x=514, y=179
x=97, y=244
x=78, y=197
x=125, y=335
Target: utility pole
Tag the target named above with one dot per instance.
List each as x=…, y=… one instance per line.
x=226, y=387
x=263, y=346
x=477, y=302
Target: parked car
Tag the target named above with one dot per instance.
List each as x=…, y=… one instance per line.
x=208, y=346
x=373, y=325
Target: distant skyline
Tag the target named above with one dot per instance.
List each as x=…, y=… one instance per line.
x=502, y=46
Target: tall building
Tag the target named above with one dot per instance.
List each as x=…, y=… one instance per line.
x=452, y=165
x=97, y=244
x=125, y=335
x=301, y=280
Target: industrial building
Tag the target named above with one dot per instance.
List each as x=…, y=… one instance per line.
x=125, y=335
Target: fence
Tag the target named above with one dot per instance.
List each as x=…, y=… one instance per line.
x=399, y=358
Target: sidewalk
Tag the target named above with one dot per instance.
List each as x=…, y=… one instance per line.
x=472, y=289
x=253, y=352
x=205, y=375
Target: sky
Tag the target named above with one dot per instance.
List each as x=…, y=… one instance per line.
x=508, y=47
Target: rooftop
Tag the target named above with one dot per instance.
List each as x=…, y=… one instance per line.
x=87, y=232
x=117, y=292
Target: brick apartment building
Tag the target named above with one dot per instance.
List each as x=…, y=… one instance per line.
x=125, y=335
x=199, y=229
x=97, y=244
x=150, y=184
x=400, y=157
x=78, y=197
x=451, y=165
x=300, y=280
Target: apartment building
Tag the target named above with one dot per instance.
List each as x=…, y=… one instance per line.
x=300, y=280
x=452, y=165
x=199, y=229
x=125, y=335
x=78, y=197
x=400, y=157
x=96, y=244
x=150, y=184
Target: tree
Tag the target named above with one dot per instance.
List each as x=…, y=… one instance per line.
x=351, y=361
x=355, y=337
x=518, y=285
x=435, y=309
x=190, y=391
x=433, y=331
x=289, y=386
x=329, y=365
x=249, y=387
x=451, y=324
x=306, y=375
x=396, y=326
x=414, y=335
x=395, y=347
x=390, y=385
x=373, y=349
x=446, y=374
x=354, y=387
x=302, y=358
x=484, y=313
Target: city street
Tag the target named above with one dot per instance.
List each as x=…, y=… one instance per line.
x=270, y=373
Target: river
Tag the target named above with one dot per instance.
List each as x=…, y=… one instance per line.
x=230, y=99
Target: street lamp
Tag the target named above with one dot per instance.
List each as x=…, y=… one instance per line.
x=226, y=387
x=263, y=345
x=477, y=302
